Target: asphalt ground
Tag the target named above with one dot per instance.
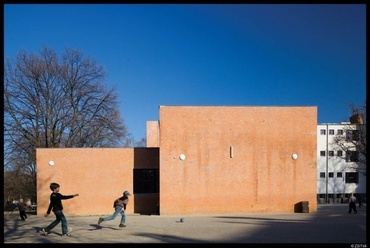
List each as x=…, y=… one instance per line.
x=331, y=224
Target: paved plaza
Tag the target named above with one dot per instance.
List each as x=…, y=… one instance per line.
x=331, y=224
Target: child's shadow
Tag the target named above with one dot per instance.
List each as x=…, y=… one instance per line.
x=39, y=230
x=95, y=227
x=98, y=227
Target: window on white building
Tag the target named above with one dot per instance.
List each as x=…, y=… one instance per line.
x=322, y=131
x=322, y=174
x=352, y=135
x=339, y=174
x=340, y=132
x=322, y=153
x=331, y=153
x=352, y=156
x=355, y=135
x=331, y=131
x=331, y=174
x=339, y=153
x=351, y=177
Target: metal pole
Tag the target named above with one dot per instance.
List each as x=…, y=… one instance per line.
x=327, y=157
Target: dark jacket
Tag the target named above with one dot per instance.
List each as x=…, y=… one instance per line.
x=56, y=201
x=22, y=206
x=122, y=202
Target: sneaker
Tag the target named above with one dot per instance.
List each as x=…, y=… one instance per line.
x=45, y=232
x=68, y=233
x=122, y=225
x=100, y=220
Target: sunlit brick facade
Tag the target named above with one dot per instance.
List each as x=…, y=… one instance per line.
x=237, y=159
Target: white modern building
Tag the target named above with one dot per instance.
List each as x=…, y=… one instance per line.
x=339, y=172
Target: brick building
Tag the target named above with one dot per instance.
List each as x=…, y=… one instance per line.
x=198, y=160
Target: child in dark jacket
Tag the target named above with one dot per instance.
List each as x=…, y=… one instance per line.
x=56, y=206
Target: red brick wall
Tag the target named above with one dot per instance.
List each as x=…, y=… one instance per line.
x=260, y=177
x=99, y=175
x=152, y=131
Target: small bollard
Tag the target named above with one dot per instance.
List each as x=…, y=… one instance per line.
x=181, y=219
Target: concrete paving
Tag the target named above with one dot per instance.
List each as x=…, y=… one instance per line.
x=331, y=224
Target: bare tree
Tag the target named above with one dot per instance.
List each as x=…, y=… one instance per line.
x=353, y=140
x=141, y=143
x=131, y=142
x=56, y=102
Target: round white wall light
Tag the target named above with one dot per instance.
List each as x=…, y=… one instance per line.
x=51, y=162
x=182, y=157
x=294, y=156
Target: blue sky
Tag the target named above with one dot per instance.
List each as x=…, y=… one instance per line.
x=208, y=54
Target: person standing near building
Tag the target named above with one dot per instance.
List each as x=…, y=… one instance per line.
x=359, y=200
x=22, y=207
x=352, y=204
x=119, y=208
x=56, y=206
